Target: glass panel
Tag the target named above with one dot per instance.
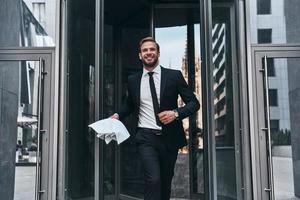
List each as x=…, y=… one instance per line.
x=224, y=92
x=280, y=17
x=177, y=31
x=132, y=181
x=285, y=128
x=126, y=23
x=19, y=98
x=80, y=140
x=27, y=23
x=109, y=109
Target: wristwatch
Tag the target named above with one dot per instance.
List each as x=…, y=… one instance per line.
x=176, y=113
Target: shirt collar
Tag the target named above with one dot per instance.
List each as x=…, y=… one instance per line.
x=156, y=70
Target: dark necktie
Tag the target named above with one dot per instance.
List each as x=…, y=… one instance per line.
x=154, y=98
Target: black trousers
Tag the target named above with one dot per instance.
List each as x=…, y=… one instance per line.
x=158, y=163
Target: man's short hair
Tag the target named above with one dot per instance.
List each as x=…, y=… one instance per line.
x=148, y=39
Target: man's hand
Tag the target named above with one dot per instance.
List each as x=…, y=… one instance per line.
x=167, y=117
x=115, y=116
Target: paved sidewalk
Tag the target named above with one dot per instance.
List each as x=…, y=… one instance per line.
x=283, y=181
x=25, y=183
x=283, y=178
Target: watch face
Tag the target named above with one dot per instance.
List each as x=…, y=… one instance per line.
x=176, y=114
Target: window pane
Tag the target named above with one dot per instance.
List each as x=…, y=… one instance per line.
x=274, y=125
x=273, y=97
x=264, y=36
x=263, y=7
x=271, y=67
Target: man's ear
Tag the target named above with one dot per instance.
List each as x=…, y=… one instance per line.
x=140, y=56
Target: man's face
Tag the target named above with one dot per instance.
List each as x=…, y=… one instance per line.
x=149, y=54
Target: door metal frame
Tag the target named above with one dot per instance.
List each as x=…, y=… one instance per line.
x=262, y=174
x=47, y=186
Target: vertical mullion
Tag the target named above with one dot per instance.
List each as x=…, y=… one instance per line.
x=99, y=97
x=246, y=186
x=207, y=88
x=152, y=23
x=191, y=82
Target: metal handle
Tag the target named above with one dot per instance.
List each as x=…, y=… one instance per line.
x=38, y=153
x=269, y=130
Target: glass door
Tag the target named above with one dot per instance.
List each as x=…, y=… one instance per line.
x=278, y=100
x=177, y=30
x=24, y=137
x=226, y=102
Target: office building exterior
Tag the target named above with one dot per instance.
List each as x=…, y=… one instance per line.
x=64, y=64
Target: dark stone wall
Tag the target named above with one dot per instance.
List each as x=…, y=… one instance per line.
x=8, y=126
x=8, y=138
x=9, y=37
x=10, y=23
x=292, y=20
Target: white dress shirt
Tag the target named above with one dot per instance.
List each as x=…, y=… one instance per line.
x=146, y=113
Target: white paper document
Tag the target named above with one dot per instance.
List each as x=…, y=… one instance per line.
x=110, y=129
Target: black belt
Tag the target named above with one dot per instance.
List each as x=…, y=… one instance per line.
x=154, y=131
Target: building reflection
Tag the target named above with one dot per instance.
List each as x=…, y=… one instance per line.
x=198, y=93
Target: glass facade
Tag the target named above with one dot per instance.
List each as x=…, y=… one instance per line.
x=274, y=21
x=223, y=156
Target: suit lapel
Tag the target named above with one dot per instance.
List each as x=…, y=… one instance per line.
x=138, y=87
x=163, y=80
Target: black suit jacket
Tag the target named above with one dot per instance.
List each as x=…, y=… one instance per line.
x=172, y=85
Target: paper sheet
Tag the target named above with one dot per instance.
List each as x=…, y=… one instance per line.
x=110, y=129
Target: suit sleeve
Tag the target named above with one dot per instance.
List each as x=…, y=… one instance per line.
x=187, y=95
x=128, y=105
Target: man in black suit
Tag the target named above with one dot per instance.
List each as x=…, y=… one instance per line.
x=152, y=98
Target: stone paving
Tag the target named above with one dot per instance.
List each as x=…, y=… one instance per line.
x=24, y=183
x=283, y=180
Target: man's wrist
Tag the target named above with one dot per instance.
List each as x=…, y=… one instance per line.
x=176, y=114
x=115, y=116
